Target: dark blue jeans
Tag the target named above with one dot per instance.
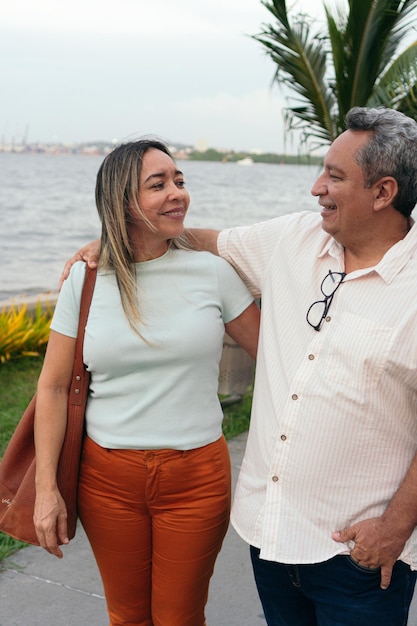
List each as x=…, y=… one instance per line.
x=338, y=592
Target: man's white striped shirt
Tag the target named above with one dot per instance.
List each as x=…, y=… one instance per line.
x=334, y=421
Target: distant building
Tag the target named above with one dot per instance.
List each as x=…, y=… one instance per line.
x=202, y=145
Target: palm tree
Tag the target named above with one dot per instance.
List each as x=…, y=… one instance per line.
x=355, y=62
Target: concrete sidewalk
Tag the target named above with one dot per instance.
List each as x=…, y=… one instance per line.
x=37, y=589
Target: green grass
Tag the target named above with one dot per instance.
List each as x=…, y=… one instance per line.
x=18, y=379
x=237, y=416
x=17, y=383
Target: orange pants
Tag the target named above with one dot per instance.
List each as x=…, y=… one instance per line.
x=156, y=520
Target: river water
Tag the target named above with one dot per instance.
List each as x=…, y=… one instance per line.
x=47, y=208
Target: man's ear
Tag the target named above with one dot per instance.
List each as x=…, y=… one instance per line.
x=386, y=190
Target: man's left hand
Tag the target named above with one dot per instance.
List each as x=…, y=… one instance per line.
x=377, y=544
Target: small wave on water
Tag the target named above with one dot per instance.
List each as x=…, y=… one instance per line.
x=48, y=210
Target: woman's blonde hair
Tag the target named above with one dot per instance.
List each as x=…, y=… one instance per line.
x=117, y=197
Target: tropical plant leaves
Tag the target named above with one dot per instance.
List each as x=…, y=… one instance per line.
x=22, y=333
x=354, y=61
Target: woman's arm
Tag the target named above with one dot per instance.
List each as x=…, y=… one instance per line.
x=244, y=329
x=50, y=516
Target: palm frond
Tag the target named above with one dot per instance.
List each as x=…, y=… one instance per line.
x=397, y=87
x=300, y=57
x=354, y=62
x=364, y=43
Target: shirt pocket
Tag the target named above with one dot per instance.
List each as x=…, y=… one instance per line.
x=359, y=352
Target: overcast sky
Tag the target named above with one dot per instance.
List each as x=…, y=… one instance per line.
x=184, y=70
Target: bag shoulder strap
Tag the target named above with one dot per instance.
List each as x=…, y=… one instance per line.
x=78, y=387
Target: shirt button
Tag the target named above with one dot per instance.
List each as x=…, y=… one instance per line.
x=294, y=396
x=275, y=479
x=328, y=318
x=311, y=357
x=283, y=437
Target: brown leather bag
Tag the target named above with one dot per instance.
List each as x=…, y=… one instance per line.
x=17, y=467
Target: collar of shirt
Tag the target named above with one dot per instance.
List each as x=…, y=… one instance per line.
x=391, y=263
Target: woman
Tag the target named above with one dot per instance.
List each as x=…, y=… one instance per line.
x=154, y=490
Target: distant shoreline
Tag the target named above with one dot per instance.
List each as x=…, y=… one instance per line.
x=45, y=299
x=181, y=153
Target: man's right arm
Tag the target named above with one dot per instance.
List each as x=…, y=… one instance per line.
x=89, y=253
x=198, y=238
x=203, y=239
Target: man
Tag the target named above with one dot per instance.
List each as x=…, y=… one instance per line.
x=327, y=492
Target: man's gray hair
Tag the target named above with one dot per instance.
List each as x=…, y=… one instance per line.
x=392, y=151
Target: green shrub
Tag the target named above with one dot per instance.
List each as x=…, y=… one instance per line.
x=23, y=332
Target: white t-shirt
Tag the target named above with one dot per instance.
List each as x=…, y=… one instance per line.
x=334, y=418
x=160, y=394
